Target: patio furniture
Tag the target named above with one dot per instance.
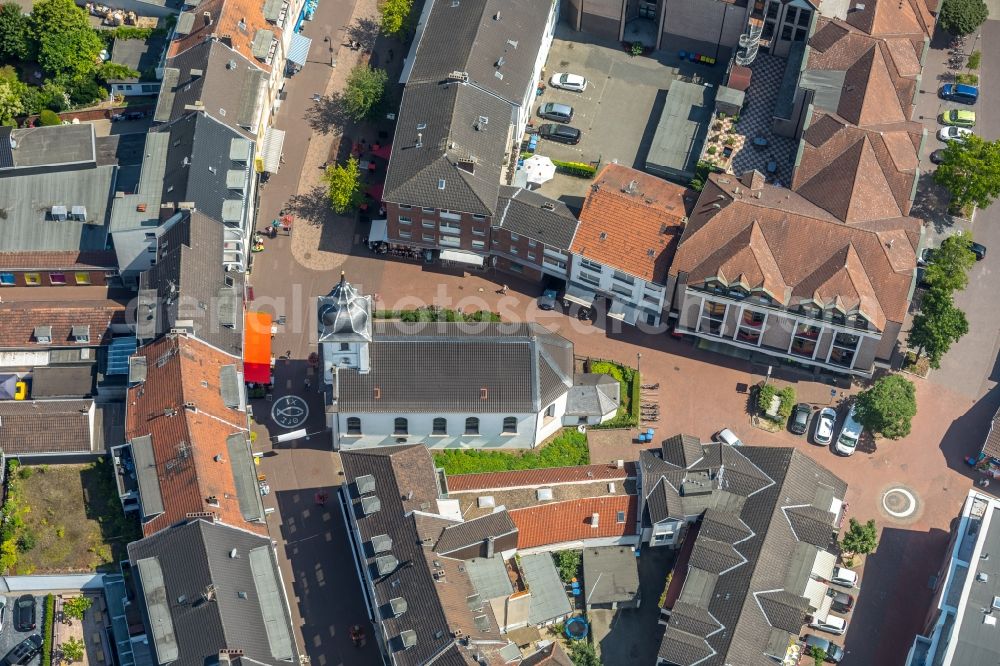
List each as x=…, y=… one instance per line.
x=760, y=142
x=772, y=166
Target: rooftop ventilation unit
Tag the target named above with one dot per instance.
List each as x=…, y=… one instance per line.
x=381, y=543
x=365, y=484
x=544, y=494
x=486, y=502
x=398, y=606
x=386, y=564
x=595, y=520
x=370, y=504
x=408, y=638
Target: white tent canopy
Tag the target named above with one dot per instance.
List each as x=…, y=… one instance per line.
x=539, y=169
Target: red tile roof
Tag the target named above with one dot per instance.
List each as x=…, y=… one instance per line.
x=233, y=22
x=532, y=478
x=571, y=521
x=39, y=261
x=182, y=371
x=631, y=221
x=19, y=319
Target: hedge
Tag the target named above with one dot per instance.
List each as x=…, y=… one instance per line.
x=631, y=396
x=578, y=169
x=569, y=448
x=47, y=618
x=433, y=313
x=47, y=118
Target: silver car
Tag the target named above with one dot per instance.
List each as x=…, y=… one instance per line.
x=825, y=424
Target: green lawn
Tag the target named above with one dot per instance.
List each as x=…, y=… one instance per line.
x=567, y=448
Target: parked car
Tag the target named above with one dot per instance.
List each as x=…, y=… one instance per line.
x=561, y=113
x=548, y=299
x=927, y=254
x=831, y=624
x=825, y=424
x=24, y=612
x=573, y=82
x=834, y=653
x=959, y=92
x=842, y=602
x=937, y=156
x=850, y=434
x=953, y=134
x=3, y=611
x=560, y=133
x=959, y=117
x=727, y=436
x=799, y=422
x=844, y=577
x=23, y=652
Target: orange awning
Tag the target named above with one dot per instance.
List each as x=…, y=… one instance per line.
x=257, y=348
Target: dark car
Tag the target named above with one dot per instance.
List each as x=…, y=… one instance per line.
x=927, y=254
x=978, y=250
x=560, y=133
x=834, y=653
x=23, y=652
x=561, y=113
x=841, y=602
x=24, y=613
x=937, y=156
x=799, y=421
x=548, y=299
x=135, y=115
x=959, y=92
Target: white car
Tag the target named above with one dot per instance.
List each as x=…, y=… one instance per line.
x=727, y=436
x=850, y=433
x=844, y=577
x=953, y=133
x=831, y=624
x=573, y=82
x=3, y=611
x=824, y=426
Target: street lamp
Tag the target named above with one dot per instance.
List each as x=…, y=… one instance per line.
x=638, y=359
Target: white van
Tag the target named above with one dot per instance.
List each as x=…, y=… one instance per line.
x=850, y=433
x=831, y=624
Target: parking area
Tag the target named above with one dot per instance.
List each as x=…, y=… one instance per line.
x=9, y=635
x=618, y=112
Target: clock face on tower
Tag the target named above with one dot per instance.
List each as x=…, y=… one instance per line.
x=289, y=411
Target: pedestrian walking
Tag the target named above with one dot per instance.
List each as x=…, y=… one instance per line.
x=306, y=382
x=502, y=290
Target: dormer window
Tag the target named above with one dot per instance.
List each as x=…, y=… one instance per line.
x=81, y=334
x=43, y=335
x=861, y=322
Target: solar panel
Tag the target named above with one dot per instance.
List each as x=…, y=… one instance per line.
x=118, y=353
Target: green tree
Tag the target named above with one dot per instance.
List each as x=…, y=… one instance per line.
x=819, y=656
x=948, y=271
x=937, y=326
x=77, y=607
x=568, y=562
x=860, y=539
x=974, y=59
x=365, y=90
x=71, y=53
x=343, y=186
x=83, y=90
x=962, y=17
x=395, y=17
x=11, y=103
x=47, y=118
x=970, y=170
x=113, y=71
x=888, y=407
x=56, y=17
x=582, y=654
x=15, y=37
x=72, y=649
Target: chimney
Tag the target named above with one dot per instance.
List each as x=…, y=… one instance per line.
x=467, y=165
x=208, y=18
x=420, y=139
x=490, y=546
x=594, y=520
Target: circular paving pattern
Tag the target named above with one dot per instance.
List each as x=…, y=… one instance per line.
x=899, y=502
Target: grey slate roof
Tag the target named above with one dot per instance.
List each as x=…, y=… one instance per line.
x=190, y=282
x=535, y=216
x=437, y=367
x=139, y=54
x=444, y=117
x=682, y=450
x=227, y=85
x=812, y=525
x=54, y=427
x=548, y=593
x=397, y=471
x=750, y=601
x=246, y=609
x=610, y=574
x=473, y=35
x=57, y=146
x=63, y=381
x=472, y=532
x=593, y=395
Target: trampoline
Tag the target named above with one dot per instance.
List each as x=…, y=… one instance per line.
x=576, y=628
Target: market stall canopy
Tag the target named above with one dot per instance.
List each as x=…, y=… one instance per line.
x=461, y=257
x=379, y=232
x=257, y=348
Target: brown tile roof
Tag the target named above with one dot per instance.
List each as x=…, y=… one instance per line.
x=41, y=261
x=532, y=478
x=856, y=174
x=46, y=426
x=887, y=18
x=18, y=321
x=867, y=265
x=571, y=521
x=991, y=447
x=632, y=228
x=880, y=75
x=186, y=441
x=233, y=22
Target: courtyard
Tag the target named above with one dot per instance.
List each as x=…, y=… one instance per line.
x=618, y=112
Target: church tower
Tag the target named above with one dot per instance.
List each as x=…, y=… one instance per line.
x=345, y=329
